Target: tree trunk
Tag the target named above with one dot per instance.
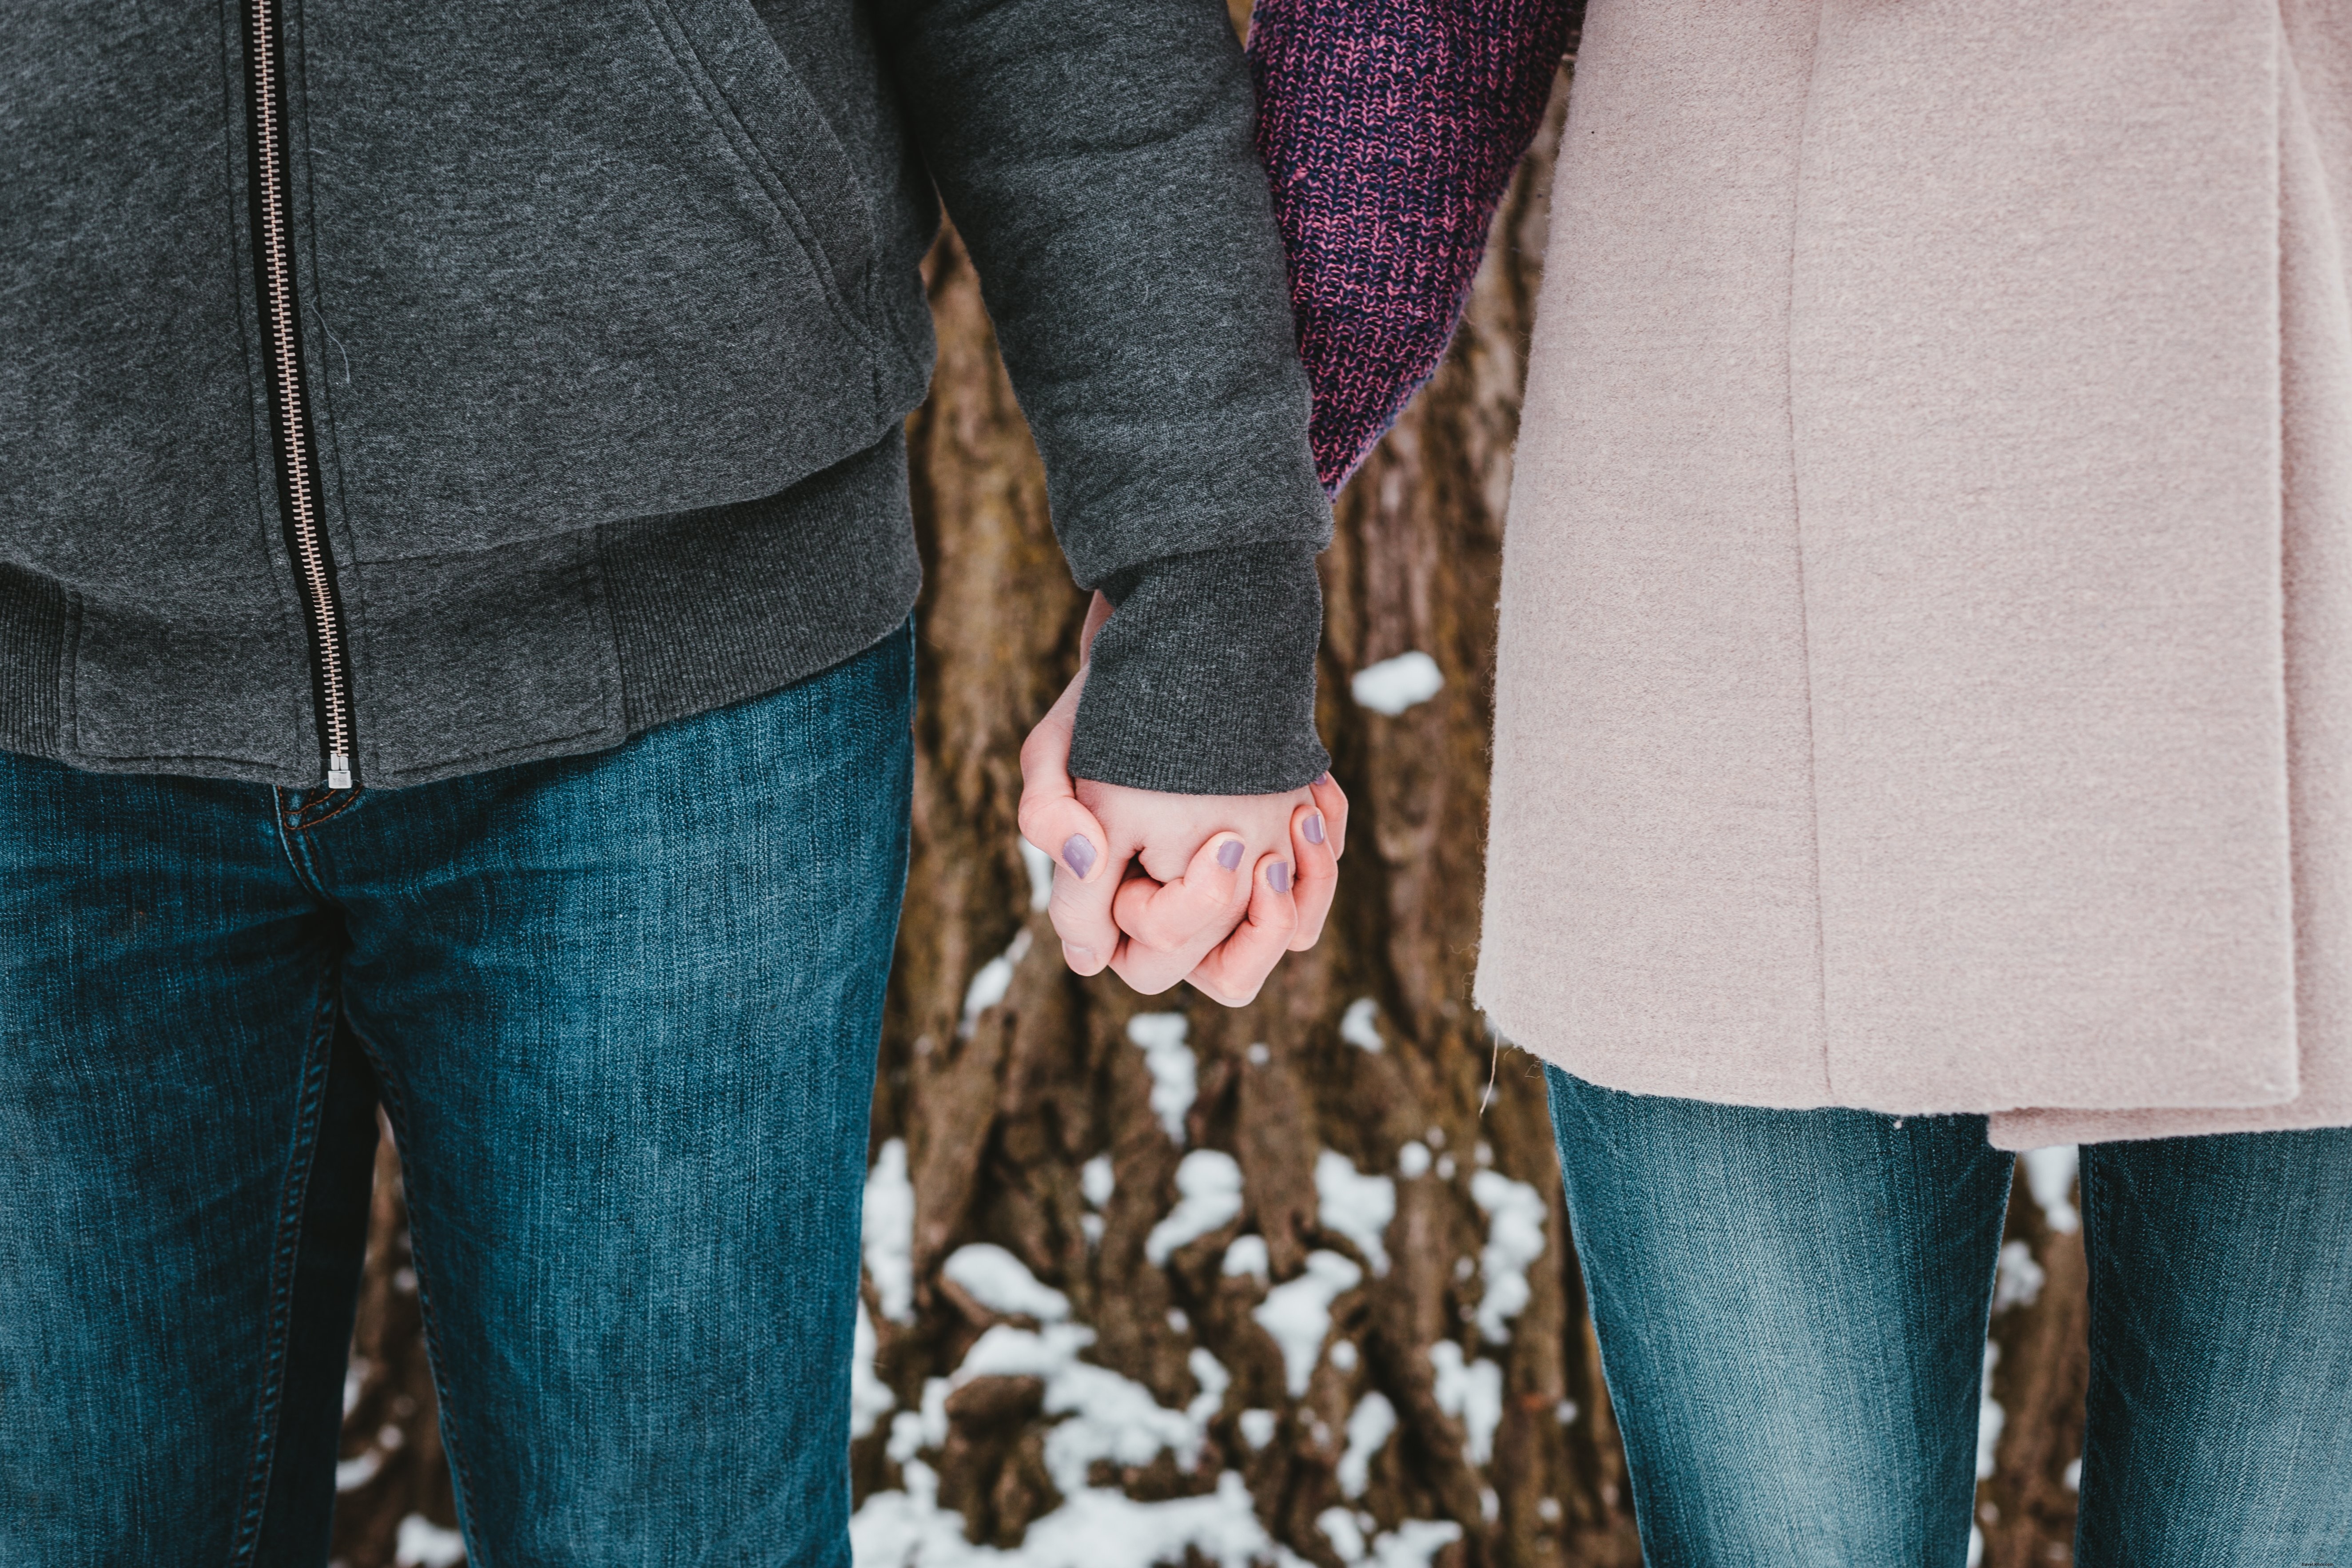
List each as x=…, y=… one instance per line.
x=1051, y=1117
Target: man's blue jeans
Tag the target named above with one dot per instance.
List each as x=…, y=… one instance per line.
x=623, y=1012
x=1791, y=1308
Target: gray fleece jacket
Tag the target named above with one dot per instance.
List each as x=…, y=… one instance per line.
x=443, y=386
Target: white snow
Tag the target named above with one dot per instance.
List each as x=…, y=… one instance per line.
x=422, y=1543
x=2073, y=1476
x=1297, y=1314
x=988, y=987
x=2019, y=1279
x=1258, y=1427
x=1247, y=1256
x=1373, y=1424
x=1975, y=1546
x=1040, y=867
x=870, y=1398
x=1412, y=1159
x=1343, y=1355
x=352, y=1474
x=1393, y=685
x=1514, y=1238
x=1171, y=1063
x=1094, y=1528
x=1414, y=1543
x=1355, y=1206
x=1357, y=1025
x=2049, y=1175
x=1002, y=1283
x=890, y=1232
x=1991, y=1416
x=1472, y=1393
x=1096, y=1180
x=1208, y=1194
x=1340, y=1527
x=354, y=1381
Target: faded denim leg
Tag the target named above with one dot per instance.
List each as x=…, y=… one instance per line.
x=184, y=1150
x=624, y=1011
x=1791, y=1311
x=2220, y=1399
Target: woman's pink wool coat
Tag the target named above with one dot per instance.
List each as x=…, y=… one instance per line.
x=1926, y=673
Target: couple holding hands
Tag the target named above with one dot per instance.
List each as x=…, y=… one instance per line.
x=454, y=655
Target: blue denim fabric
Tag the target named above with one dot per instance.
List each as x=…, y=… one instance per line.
x=1791, y=1308
x=623, y=1012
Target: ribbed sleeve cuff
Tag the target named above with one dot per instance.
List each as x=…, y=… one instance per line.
x=1203, y=682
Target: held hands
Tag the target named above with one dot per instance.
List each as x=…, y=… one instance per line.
x=1214, y=889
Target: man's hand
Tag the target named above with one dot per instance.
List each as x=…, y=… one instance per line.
x=1161, y=888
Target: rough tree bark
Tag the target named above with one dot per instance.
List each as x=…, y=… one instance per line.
x=1001, y=1106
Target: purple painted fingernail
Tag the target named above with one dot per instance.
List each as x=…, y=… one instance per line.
x=1314, y=829
x=1078, y=856
x=1277, y=876
x=1229, y=853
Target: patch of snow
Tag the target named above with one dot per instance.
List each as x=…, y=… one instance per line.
x=2018, y=1281
x=1247, y=1256
x=1178, y=1322
x=1094, y=1527
x=351, y=1475
x=1002, y=1283
x=2074, y=1477
x=1355, y=1206
x=1565, y=1412
x=1393, y=685
x=1976, y=1547
x=1412, y=1159
x=422, y=1543
x=1445, y=1167
x=890, y=1232
x=1472, y=1393
x=1548, y=1509
x=1343, y=1355
x=1357, y=1025
x=1174, y=1071
x=354, y=1380
x=1209, y=1196
x=1258, y=1427
x=1515, y=1239
x=1040, y=867
x=988, y=987
x=2050, y=1176
x=1484, y=1153
x=1297, y=1314
x=1991, y=1416
x=1371, y=1425
x=1257, y=1054
x=1490, y=1505
x=1414, y=1543
x=870, y=1398
x=1096, y=1180
x=1340, y=1527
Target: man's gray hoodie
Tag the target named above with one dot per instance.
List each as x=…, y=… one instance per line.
x=552, y=387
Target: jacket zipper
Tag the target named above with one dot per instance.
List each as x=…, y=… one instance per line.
x=297, y=481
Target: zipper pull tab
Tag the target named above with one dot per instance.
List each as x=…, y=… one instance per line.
x=338, y=771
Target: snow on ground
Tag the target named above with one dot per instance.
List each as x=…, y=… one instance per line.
x=1297, y=1314
x=1472, y=1393
x=1247, y=1256
x=1393, y=685
x=2019, y=1279
x=1102, y=1415
x=2049, y=1175
x=1412, y=1159
x=1258, y=1427
x=1410, y=1545
x=1370, y=1426
x=1040, y=867
x=1171, y=1062
x=1991, y=1416
x=422, y=1543
x=1359, y=1026
x=995, y=978
x=1515, y=1239
x=1096, y=1184
x=1355, y=1206
x=870, y=1398
x=1002, y=1283
x=1208, y=1194
x=890, y=1232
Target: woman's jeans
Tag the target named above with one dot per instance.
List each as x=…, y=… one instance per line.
x=1791, y=1308
x=622, y=1011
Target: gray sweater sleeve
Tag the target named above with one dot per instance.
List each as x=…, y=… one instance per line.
x=1097, y=158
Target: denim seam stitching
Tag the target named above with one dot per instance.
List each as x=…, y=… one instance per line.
x=283, y=1259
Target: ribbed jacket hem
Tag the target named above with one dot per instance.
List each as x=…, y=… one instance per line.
x=32, y=618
